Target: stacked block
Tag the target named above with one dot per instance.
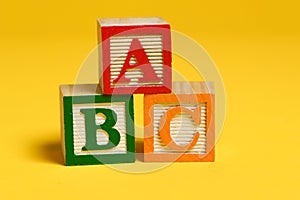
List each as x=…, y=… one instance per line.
x=180, y=126
x=135, y=56
x=96, y=128
x=98, y=119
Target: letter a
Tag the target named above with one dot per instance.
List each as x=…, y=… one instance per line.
x=143, y=64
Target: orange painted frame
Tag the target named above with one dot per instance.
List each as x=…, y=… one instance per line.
x=150, y=100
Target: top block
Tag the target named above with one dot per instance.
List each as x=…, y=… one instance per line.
x=134, y=55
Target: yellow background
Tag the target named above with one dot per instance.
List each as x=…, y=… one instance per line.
x=255, y=45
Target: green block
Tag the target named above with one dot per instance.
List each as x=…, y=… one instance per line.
x=96, y=128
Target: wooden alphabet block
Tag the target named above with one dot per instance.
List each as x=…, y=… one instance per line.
x=96, y=128
x=180, y=126
x=134, y=55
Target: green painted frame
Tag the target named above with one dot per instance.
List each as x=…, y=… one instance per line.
x=71, y=158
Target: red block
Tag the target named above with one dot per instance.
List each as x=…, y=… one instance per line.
x=134, y=55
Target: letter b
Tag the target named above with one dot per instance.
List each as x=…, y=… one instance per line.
x=91, y=128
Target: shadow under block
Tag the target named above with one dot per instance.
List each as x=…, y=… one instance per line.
x=96, y=128
x=179, y=127
x=134, y=55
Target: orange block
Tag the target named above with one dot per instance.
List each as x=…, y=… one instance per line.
x=179, y=127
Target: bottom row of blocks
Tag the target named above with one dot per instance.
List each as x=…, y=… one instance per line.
x=99, y=129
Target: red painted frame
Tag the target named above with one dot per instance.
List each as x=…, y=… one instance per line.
x=108, y=31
